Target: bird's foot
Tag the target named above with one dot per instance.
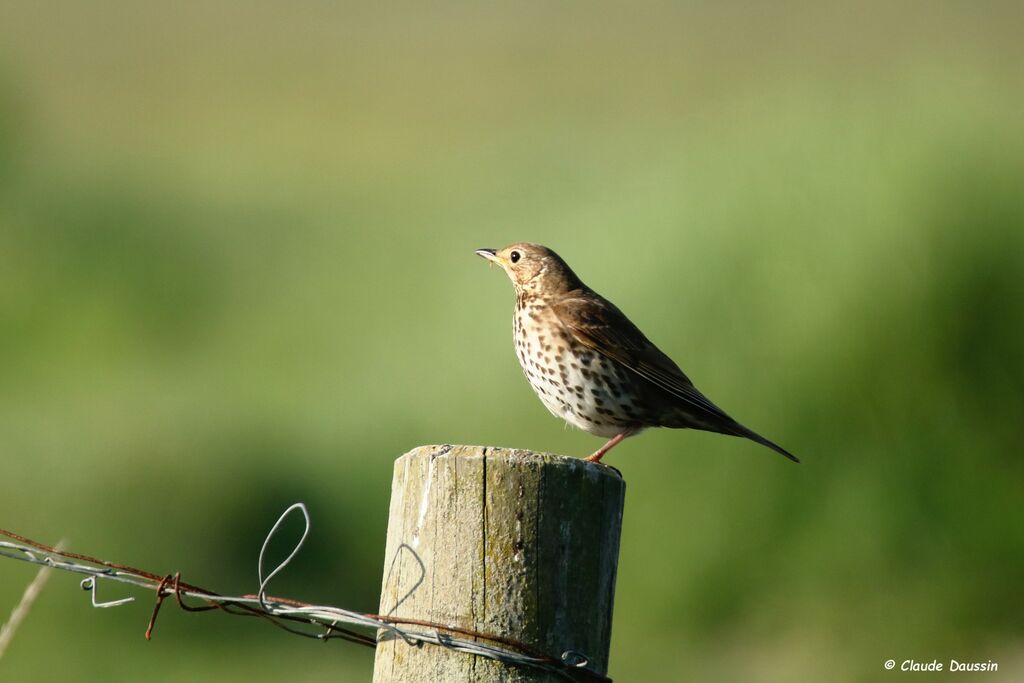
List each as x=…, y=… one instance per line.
x=612, y=443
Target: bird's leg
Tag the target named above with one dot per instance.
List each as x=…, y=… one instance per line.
x=612, y=443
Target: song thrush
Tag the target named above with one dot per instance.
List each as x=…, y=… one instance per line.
x=590, y=365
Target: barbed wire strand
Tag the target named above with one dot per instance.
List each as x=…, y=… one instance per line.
x=24, y=605
x=320, y=622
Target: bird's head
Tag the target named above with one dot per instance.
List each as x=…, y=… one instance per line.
x=533, y=269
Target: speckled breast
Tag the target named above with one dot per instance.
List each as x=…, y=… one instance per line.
x=575, y=383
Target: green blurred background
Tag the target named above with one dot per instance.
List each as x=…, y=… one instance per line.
x=237, y=270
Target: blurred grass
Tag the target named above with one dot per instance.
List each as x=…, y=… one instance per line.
x=236, y=271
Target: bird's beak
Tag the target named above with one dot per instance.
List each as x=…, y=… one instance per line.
x=489, y=254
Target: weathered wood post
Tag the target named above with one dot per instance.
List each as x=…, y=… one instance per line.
x=511, y=543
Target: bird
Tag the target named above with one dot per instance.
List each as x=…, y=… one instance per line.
x=590, y=365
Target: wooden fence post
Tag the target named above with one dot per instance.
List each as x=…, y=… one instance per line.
x=511, y=543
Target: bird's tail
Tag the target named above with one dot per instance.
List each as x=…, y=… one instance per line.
x=736, y=429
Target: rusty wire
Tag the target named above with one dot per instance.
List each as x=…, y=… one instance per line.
x=320, y=622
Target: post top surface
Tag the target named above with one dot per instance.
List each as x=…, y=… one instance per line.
x=514, y=456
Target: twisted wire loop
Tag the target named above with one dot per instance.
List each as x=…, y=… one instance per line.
x=321, y=622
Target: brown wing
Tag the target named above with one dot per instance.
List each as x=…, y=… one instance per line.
x=598, y=324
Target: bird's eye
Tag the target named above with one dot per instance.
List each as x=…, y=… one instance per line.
x=514, y=256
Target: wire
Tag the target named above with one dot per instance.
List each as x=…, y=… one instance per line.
x=321, y=622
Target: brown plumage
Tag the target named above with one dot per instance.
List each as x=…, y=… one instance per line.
x=590, y=365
